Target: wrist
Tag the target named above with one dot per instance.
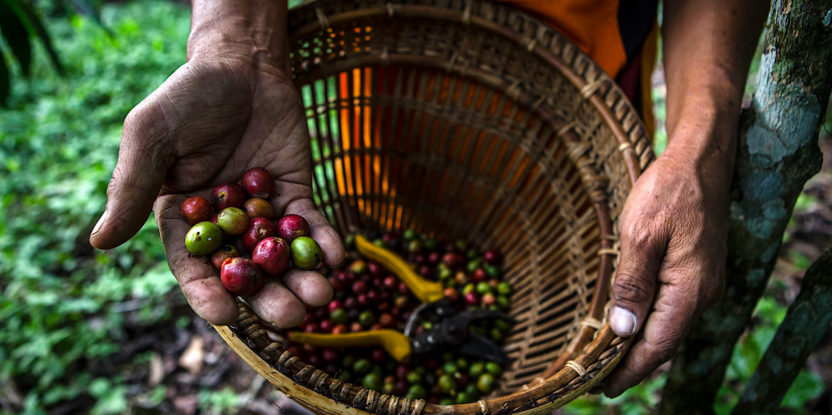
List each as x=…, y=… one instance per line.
x=251, y=31
x=704, y=127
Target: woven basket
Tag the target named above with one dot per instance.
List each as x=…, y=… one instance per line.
x=472, y=120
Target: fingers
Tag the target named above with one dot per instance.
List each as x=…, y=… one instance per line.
x=310, y=286
x=277, y=306
x=143, y=160
x=664, y=331
x=642, y=251
x=197, y=278
x=322, y=232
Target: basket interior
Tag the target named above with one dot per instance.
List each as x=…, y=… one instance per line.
x=395, y=152
x=441, y=128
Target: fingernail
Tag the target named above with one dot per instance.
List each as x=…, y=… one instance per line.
x=100, y=222
x=622, y=321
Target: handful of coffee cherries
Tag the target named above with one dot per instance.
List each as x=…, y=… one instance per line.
x=242, y=239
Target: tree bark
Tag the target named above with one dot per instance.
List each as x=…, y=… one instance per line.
x=805, y=323
x=777, y=154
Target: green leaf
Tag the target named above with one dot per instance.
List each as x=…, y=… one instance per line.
x=14, y=31
x=806, y=386
x=36, y=26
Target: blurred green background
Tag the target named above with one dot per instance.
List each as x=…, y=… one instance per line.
x=109, y=332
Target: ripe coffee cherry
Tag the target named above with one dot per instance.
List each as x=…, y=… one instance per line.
x=195, y=209
x=220, y=255
x=228, y=195
x=290, y=227
x=240, y=276
x=259, y=229
x=203, y=238
x=272, y=255
x=258, y=183
x=493, y=257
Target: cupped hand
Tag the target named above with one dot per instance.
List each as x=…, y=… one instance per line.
x=207, y=124
x=673, y=248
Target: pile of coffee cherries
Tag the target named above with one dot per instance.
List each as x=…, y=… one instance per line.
x=368, y=297
x=242, y=239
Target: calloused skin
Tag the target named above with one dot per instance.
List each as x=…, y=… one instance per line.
x=232, y=107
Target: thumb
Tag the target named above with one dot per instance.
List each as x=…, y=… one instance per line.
x=642, y=251
x=144, y=157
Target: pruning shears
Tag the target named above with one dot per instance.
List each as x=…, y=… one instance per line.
x=449, y=329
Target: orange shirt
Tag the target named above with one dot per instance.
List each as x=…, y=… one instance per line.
x=590, y=24
x=619, y=35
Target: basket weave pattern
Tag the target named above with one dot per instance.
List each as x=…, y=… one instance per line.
x=468, y=119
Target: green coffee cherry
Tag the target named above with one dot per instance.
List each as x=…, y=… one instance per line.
x=306, y=254
x=203, y=238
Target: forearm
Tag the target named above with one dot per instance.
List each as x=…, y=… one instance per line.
x=252, y=30
x=708, y=45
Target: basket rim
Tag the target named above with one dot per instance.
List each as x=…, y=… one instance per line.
x=600, y=350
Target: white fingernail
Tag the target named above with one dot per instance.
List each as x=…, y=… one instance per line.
x=622, y=321
x=100, y=222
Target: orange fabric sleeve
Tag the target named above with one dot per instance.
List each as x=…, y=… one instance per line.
x=590, y=24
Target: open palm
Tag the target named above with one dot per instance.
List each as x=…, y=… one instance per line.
x=207, y=124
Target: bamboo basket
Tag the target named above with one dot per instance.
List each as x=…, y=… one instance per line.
x=467, y=119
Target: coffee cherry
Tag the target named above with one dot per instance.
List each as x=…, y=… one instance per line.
x=290, y=227
x=447, y=383
x=258, y=229
x=488, y=299
x=493, y=368
x=485, y=383
x=493, y=257
x=272, y=255
x=306, y=254
x=375, y=269
x=358, y=267
x=228, y=195
x=259, y=208
x=195, y=209
x=361, y=366
x=203, y=238
x=366, y=318
x=326, y=325
x=451, y=294
x=483, y=288
x=259, y=183
x=386, y=320
x=224, y=252
x=338, y=316
x=232, y=220
x=479, y=275
x=378, y=355
x=471, y=298
x=417, y=392
x=240, y=276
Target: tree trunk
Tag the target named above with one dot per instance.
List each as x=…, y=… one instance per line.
x=806, y=321
x=777, y=154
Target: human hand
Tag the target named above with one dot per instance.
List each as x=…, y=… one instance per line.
x=212, y=120
x=673, y=246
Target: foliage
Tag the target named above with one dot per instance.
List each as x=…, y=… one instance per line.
x=65, y=303
x=18, y=23
x=223, y=401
